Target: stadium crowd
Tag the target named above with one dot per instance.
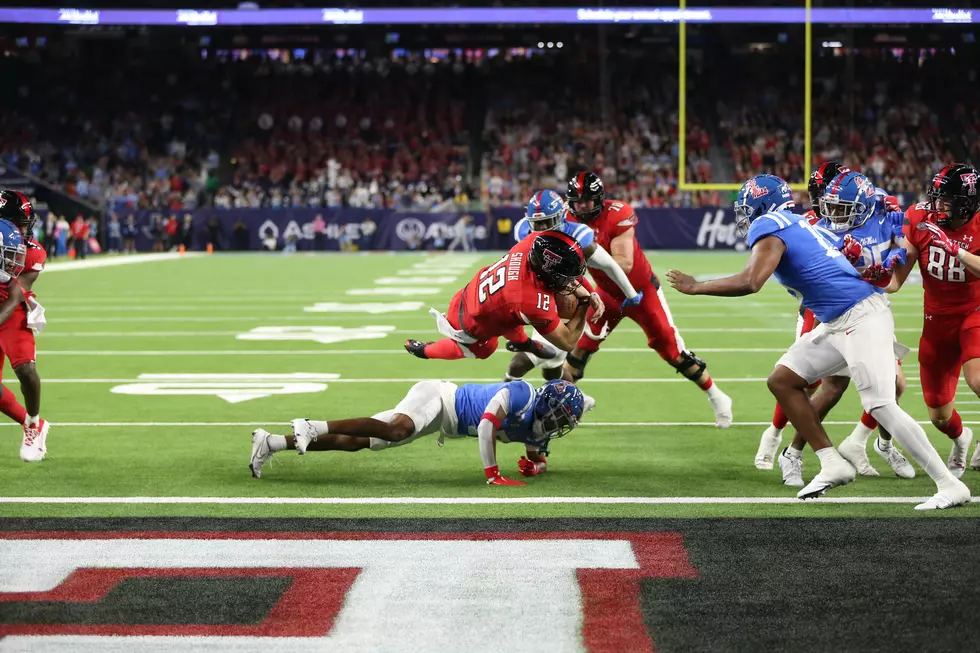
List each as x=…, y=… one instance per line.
x=431, y=135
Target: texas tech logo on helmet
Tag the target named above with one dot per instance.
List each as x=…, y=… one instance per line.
x=969, y=180
x=551, y=259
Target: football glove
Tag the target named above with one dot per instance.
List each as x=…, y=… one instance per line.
x=878, y=275
x=851, y=249
x=631, y=302
x=494, y=477
x=530, y=468
x=939, y=238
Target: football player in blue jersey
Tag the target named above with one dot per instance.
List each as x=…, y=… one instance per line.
x=856, y=333
x=506, y=412
x=546, y=212
x=870, y=237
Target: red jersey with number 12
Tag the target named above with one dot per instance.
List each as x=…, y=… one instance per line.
x=616, y=219
x=507, y=295
x=950, y=289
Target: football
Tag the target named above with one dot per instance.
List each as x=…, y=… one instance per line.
x=566, y=305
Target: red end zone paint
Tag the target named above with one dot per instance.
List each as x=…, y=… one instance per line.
x=612, y=618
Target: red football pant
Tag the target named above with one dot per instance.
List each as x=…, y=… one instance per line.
x=17, y=341
x=652, y=314
x=947, y=342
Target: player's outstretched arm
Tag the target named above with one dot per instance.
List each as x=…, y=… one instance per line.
x=566, y=336
x=493, y=418
x=601, y=259
x=766, y=254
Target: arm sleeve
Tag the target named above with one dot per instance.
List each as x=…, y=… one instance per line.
x=603, y=261
x=487, y=428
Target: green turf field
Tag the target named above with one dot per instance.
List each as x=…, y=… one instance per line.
x=650, y=436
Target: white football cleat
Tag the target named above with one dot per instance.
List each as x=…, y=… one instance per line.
x=856, y=453
x=768, y=446
x=722, y=405
x=949, y=497
x=304, y=434
x=834, y=473
x=792, y=468
x=261, y=451
x=899, y=464
x=33, y=446
x=957, y=455
x=589, y=403
x=975, y=461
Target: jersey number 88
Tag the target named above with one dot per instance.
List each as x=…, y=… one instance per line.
x=945, y=267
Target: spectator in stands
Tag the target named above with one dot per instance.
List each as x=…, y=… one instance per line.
x=79, y=234
x=129, y=233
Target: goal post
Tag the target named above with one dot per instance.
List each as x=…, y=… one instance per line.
x=682, y=182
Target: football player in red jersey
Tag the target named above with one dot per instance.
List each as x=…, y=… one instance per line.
x=16, y=337
x=614, y=226
x=943, y=235
x=517, y=290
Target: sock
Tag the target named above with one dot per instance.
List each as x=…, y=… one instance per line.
x=793, y=451
x=862, y=432
x=445, y=349
x=277, y=442
x=32, y=420
x=828, y=455
x=913, y=439
x=779, y=419
x=707, y=385
x=869, y=421
x=953, y=428
x=12, y=408
x=320, y=426
x=883, y=444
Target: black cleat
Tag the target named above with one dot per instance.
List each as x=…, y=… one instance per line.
x=416, y=348
x=539, y=349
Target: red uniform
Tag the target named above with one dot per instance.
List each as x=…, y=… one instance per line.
x=500, y=300
x=951, y=330
x=652, y=313
x=16, y=338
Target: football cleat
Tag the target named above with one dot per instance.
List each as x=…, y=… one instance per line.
x=856, y=453
x=792, y=468
x=899, y=464
x=303, y=434
x=416, y=348
x=957, y=454
x=260, y=452
x=948, y=497
x=33, y=446
x=768, y=446
x=834, y=473
x=721, y=404
x=975, y=461
x=542, y=350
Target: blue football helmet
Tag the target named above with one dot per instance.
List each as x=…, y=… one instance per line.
x=848, y=201
x=545, y=210
x=760, y=195
x=558, y=407
x=13, y=251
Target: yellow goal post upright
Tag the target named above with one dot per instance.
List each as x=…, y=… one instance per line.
x=682, y=182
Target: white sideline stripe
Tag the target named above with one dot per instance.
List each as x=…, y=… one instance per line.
x=348, y=352
x=253, y=424
x=108, y=262
x=233, y=376
x=459, y=500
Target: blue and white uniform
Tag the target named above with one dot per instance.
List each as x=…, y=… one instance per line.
x=857, y=330
x=580, y=233
x=456, y=411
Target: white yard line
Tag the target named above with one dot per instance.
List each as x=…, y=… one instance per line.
x=432, y=501
x=359, y=352
x=112, y=261
x=254, y=424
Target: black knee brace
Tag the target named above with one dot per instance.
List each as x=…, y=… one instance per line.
x=690, y=365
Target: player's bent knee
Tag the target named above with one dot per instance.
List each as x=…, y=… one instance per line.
x=782, y=379
x=401, y=427
x=689, y=364
x=26, y=371
x=974, y=383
